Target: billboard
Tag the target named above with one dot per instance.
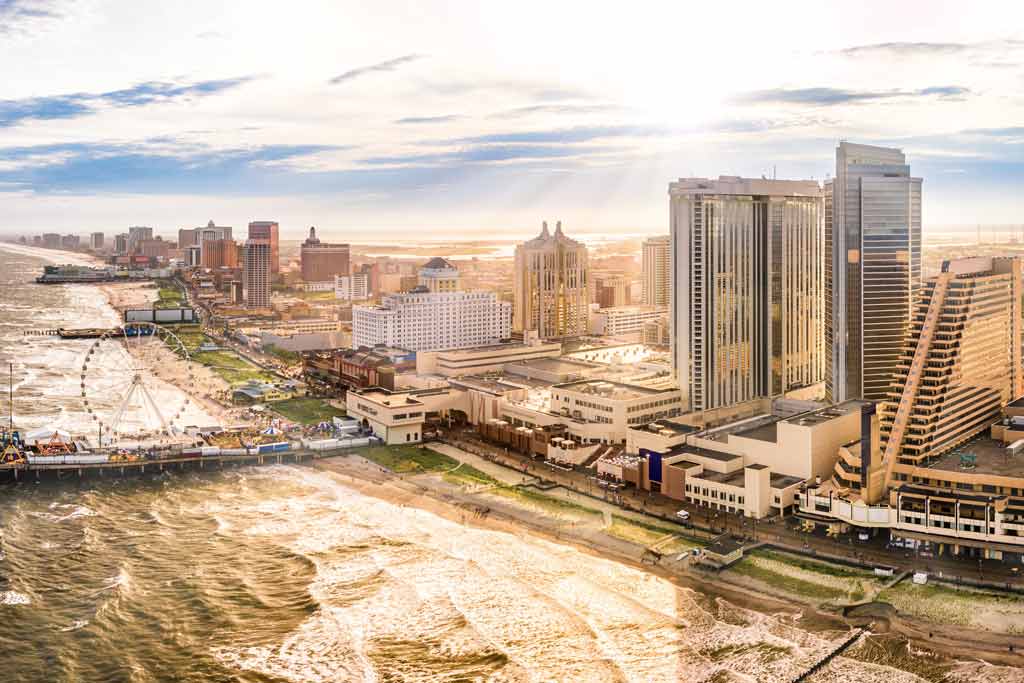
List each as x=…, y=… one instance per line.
x=161, y=316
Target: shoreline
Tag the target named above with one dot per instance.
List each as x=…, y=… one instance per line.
x=428, y=492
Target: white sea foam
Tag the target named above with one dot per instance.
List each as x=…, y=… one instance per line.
x=75, y=625
x=14, y=598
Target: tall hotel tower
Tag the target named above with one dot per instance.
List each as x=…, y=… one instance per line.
x=552, y=286
x=748, y=302
x=873, y=268
x=256, y=272
x=657, y=277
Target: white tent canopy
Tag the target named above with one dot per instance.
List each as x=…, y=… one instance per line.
x=46, y=434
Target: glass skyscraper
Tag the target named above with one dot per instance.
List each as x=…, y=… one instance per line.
x=873, y=269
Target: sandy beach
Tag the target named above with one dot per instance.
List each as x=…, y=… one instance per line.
x=473, y=505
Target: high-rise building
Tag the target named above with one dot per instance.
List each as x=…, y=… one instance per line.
x=136, y=234
x=656, y=271
x=211, y=231
x=51, y=240
x=747, y=310
x=121, y=244
x=322, y=262
x=71, y=242
x=153, y=248
x=433, y=319
x=96, y=241
x=439, y=275
x=872, y=270
x=960, y=362
x=188, y=237
x=615, y=290
x=354, y=287
x=219, y=253
x=256, y=273
x=551, y=287
x=267, y=230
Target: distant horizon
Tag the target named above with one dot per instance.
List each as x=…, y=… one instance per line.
x=507, y=237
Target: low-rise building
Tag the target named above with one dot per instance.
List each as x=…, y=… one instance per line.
x=620, y=321
x=343, y=369
x=398, y=417
x=486, y=358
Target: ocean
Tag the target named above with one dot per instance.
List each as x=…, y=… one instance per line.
x=286, y=574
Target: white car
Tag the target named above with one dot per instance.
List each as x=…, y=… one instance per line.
x=683, y=515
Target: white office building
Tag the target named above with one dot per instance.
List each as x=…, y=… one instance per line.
x=354, y=287
x=620, y=321
x=425, y=320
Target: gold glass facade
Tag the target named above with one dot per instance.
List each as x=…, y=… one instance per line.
x=959, y=364
x=747, y=307
x=552, y=286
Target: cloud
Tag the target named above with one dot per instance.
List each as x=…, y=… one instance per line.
x=157, y=165
x=904, y=49
x=73, y=105
x=485, y=154
x=389, y=65
x=575, y=109
x=927, y=50
x=428, y=119
x=824, y=97
x=1009, y=132
x=15, y=15
x=565, y=135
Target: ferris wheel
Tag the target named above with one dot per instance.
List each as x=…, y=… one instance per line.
x=128, y=380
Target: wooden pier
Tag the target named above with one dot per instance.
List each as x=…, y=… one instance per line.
x=23, y=470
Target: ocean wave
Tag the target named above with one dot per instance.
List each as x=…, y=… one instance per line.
x=75, y=625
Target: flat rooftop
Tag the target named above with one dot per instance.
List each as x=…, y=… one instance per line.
x=826, y=414
x=720, y=456
x=492, y=348
x=782, y=481
x=990, y=458
x=667, y=425
x=556, y=365
x=744, y=427
x=494, y=385
x=619, y=390
x=728, y=478
x=768, y=431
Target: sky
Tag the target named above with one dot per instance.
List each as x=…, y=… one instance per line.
x=439, y=120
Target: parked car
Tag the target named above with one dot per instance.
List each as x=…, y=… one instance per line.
x=683, y=515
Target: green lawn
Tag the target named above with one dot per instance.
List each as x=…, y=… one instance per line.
x=467, y=474
x=409, y=459
x=281, y=354
x=313, y=296
x=945, y=604
x=646, y=534
x=191, y=336
x=805, y=577
x=306, y=410
x=232, y=368
x=536, y=499
x=169, y=297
